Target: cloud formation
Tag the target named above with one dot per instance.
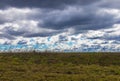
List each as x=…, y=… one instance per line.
x=92, y=19
x=54, y=4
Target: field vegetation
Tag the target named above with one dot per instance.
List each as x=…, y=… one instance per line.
x=45, y=66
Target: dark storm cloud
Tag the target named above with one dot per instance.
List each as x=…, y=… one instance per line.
x=81, y=15
x=44, y=3
x=15, y=33
x=80, y=18
x=110, y=4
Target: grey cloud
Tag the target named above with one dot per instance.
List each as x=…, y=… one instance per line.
x=15, y=33
x=81, y=18
x=113, y=38
x=109, y=37
x=10, y=31
x=78, y=14
x=40, y=34
x=22, y=42
x=109, y=4
x=43, y=18
x=2, y=21
x=9, y=37
x=37, y=34
x=44, y=3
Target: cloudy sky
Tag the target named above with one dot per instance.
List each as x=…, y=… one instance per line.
x=69, y=25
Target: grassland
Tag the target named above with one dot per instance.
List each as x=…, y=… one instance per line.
x=59, y=66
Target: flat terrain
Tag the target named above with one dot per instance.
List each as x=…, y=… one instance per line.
x=59, y=66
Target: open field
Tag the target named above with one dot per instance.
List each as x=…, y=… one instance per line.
x=59, y=66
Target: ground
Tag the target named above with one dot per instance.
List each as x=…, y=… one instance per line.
x=59, y=66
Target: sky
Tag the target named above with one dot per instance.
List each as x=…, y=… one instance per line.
x=60, y=25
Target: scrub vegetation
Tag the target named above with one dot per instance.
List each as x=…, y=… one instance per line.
x=46, y=66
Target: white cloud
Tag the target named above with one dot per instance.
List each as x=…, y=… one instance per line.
x=20, y=20
x=109, y=11
x=15, y=14
x=114, y=31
